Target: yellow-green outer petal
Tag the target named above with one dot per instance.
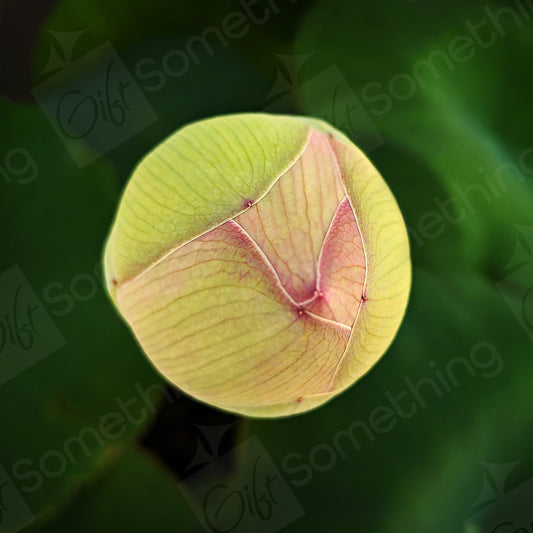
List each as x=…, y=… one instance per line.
x=193, y=181
x=388, y=265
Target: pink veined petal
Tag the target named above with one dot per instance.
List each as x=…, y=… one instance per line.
x=224, y=327
x=289, y=224
x=341, y=269
x=260, y=309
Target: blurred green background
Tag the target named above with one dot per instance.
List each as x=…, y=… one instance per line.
x=438, y=436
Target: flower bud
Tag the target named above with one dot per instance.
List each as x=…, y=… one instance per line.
x=261, y=262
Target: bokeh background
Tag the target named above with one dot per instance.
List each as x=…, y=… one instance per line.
x=438, y=436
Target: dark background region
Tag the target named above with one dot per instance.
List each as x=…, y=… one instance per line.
x=437, y=437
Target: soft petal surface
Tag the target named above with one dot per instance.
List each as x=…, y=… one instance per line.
x=261, y=262
x=225, y=329
x=291, y=222
x=201, y=176
x=341, y=269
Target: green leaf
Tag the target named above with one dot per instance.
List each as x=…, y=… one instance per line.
x=53, y=230
x=135, y=494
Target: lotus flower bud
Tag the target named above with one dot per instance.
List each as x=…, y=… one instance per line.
x=261, y=262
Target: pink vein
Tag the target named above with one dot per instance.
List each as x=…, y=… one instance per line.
x=280, y=286
x=170, y=252
x=343, y=356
